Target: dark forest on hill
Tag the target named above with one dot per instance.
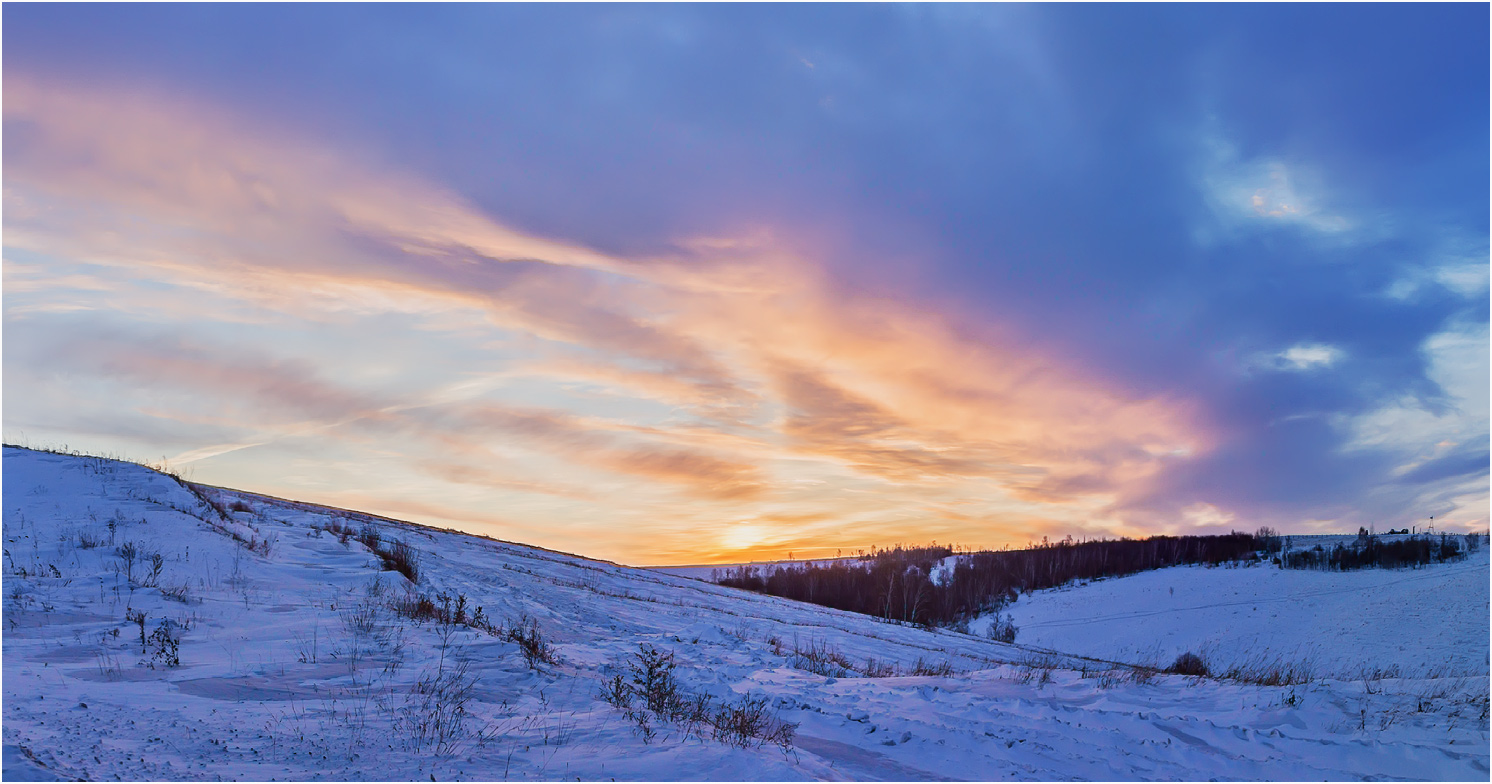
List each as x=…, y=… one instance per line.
x=898, y=583
x=902, y=584
x=1369, y=551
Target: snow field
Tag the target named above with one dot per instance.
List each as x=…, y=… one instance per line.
x=294, y=664
x=1413, y=621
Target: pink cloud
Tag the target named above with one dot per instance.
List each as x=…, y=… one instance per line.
x=786, y=396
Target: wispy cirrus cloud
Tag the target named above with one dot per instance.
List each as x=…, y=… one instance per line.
x=663, y=398
x=1263, y=193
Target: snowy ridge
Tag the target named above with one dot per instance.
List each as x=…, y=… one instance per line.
x=294, y=665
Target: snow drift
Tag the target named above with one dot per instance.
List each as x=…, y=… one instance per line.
x=153, y=630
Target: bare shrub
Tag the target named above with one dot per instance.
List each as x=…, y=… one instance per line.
x=1273, y=672
x=650, y=694
x=617, y=692
x=307, y=648
x=442, y=609
x=157, y=562
x=343, y=531
x=1002, y=628
x=262, y=546
x=940, y=669
x=375, y=587
x=695, y=713
x=166, y=644
x=128, y=553
x=217, y=506
x=1109, y=677
x=108, y=665
x=417, y=607
x=394, y=555
x=749, y=720
x=1142, y=675
x=400, y=557
x=654, y=681
x=821, y=658
x=530, y=640
x=435, y=715
x=361, y=620
x=1188, y=664
x=180, y=592
x=1036, y=667
x=654, y=694
x=137, y=617
x=370, y=537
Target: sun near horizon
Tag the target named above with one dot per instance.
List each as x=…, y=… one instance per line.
x=695, y=285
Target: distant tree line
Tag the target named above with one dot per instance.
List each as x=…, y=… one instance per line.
x=1370, y=551
x=903, y=583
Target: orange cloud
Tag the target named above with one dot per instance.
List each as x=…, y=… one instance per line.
x=733, y=371
x=589, y=442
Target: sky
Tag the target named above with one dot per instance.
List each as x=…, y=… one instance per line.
x=679, y=284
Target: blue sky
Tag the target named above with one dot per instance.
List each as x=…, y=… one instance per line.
x=757, y=279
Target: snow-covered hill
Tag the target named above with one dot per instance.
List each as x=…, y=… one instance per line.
x=293, y=660
x=1341, y=623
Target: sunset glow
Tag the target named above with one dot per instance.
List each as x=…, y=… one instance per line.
x=690, y=353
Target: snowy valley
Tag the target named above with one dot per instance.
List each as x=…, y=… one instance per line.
x=159, y=630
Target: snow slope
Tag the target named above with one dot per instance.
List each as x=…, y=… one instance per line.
x=1341, y=623
x=294, y=666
